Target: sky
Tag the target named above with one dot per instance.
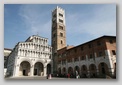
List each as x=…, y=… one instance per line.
x=84, y=22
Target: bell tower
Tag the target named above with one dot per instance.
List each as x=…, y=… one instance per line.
x=58, y=33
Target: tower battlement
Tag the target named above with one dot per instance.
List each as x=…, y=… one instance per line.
x=58, y=8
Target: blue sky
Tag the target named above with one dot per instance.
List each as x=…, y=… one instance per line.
x=84, y=22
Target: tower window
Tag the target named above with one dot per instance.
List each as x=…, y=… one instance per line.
x=54, y=21
x=54, y=35
x=60, y=27
x=54, y=28
x=61, y=42
x=60, y=20
x=54, y=15
x=113, y=52
x=61, y=34
x=60, y=14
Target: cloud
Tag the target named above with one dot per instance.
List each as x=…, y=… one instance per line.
x=101, y=20
x=35, y=20
x=95, y=21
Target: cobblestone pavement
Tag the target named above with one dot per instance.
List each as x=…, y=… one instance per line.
x=44, y=78
x=36, y=78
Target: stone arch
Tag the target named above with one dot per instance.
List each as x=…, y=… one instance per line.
x=39, y=69
x=77, y=69
x=64, y=70
x=84, y=70
x=59, y=71
x=24, y=69
x=49, y=68
x=25, y=59
x=92, y=70
x=70, y=70
x=103, y=68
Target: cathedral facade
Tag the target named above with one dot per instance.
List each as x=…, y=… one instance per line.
x=30, y=58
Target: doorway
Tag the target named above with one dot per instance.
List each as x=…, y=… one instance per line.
x=35, y=72
x=24, y=72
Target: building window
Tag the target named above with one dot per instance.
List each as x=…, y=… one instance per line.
x=60, y=20
x=100, y=54
x=75, y=50
x=82, y=58
x=50, y=57
x=98, y=43
x=61, y=34
x=111, y=42
x=54, y=15
x=54, y=21
x=61, y=27
x=113, y=52
x=76, y=59
x=63, y=62
x=60, y=14
x=61, y=42
x=82, y=48
x=69, y=60
x=91, y=56
x=90, y=45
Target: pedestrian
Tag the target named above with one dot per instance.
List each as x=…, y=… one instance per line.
x=47, y=76
x=76, y=74
x=68, y=75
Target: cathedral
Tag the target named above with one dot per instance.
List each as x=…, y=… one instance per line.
x=30, y=58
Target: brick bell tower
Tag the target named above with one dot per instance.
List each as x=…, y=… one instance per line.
x=58, y=33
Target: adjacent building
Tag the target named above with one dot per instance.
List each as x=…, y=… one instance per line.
x=96, y=57
x=7, y=51
x=30, y=58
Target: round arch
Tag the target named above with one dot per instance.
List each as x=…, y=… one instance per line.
x=93, y=70
x=77, y=69
x=84, y=70
x=41, y=61
x=24, y=69
x=59, y=70
x=70, y=70
x=64, y=70
x=103, y=69
x=38, y=69
x=25, y=59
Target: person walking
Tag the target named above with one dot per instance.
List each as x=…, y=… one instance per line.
x=68, y=75
x=76, y=72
